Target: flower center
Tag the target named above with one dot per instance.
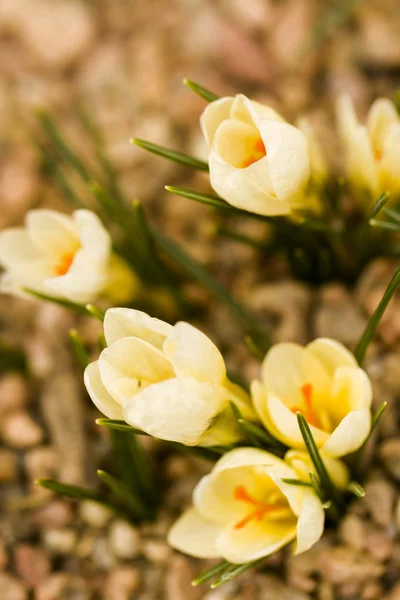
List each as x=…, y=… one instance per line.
x=258, y=152
x=65, y=263
x=259, y=509
x=308, y=411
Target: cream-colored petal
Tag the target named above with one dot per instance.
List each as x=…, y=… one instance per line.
x=347, y=119
x=134, y=361
x=17, y=250
x=193, y=354
x=52, y=231
x=331, y=354
x=246, y=457
x=351, y=390
x=318, y=166
x=83, y=282
x=241, y=399
x=128, y=322
x=240, y=189
x=94, y=237
x=381, y=116
x=361, y=165
x=194, y=535
x=177, y=409
x=300, y=461
x=213, y=115
x=389, y=177
x=287, y=367
x=98, y=393
x=283, y=425
x=255, y=540
x=224, y=431
x=250, y=111
x=310, y=525
x=235, y=142
x=350, y=434
x=288, y=159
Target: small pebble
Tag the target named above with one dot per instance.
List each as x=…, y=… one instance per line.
x=124, y=540
x=20, y=431
x=94, y=514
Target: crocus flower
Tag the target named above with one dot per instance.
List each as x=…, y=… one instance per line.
x=301, y=462
x=243, y=510
x=324, y=383
x=169, y=381
x=64, y=256
x=372, y=151
x=257, y=161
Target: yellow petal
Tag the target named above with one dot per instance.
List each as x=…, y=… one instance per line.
x=194, y=535
x=251, y=112
x=351, y=390
x=255, y=540
x=389, y=166
x=213, y=115
x=132, y=360
x=179, y=410
x=381, y=117
x=288, y=160
x=300, y=461
x=350, y=434
x=310, y=525
x=128, y=322
x=98, y=393
x=52, y=231
x=193, y=354
x=331, y=354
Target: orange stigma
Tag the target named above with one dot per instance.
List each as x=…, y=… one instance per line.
x=65, y=263
x=260, y=509
x=308, y=412
x=258, y=153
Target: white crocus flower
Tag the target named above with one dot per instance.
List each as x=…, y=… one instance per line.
x=325, y=384
x=169, y=381
x=257, y=161
x=67, y=257
x=372, y=151
x=243, y=510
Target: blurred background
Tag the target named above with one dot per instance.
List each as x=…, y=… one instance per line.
x=123, y=61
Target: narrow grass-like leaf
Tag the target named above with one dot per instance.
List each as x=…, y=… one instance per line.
x=379, y=205
x=209, y=454
x=355, y=488
x=258, y=353
x=77, y=308
x=95, y=311
x=393, y=214
x=200, y=90
x=191, y=266
x=124, y=494
x=55, y=173
x=118, y=425
x=385, y=225
x=297, y=482
x=234, y=571
x=79, y=348
x=324, y=479
x=62, y=147
x=178, y=157
x=243, y=425
x=212, y=572
x=75, y=492
x=204, y=198
x=375, y=319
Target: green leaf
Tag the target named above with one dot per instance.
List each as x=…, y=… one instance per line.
x=205, y=198
x=133, y=465
x=118, y=425
x=374, y=321
x=297, y=482
x=78, y=308
x=210, y=454
x=212, y=572
x=355, y=488
x=393, y=214
x=95, y=311
x=385, y=225
x=62, y=147
x=252, y=439
x=79, y=348
x=200, y=90
x=379, y=205
x=125, y=495
x=178, y=157
x=324, y=479
x=234, y=571
x=191, y=266
x=75, y=492
x=56, y=175
x=256, y=351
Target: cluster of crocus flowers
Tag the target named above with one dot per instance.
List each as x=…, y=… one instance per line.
x=244, y=510
x=258, y=162
x=169, y=381
x=372, y=151
x=68, y=257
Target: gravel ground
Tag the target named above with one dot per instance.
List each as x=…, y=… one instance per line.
x=125, y=61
